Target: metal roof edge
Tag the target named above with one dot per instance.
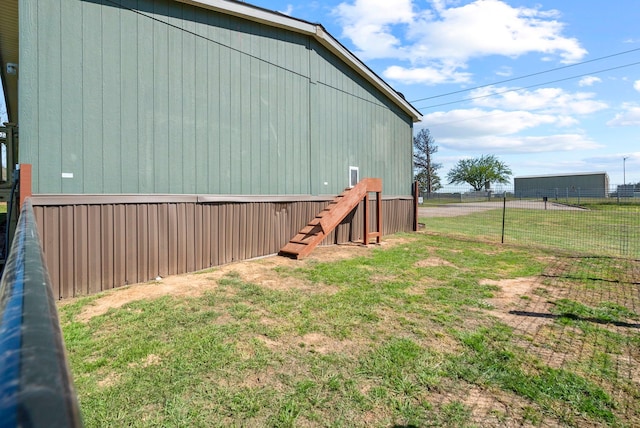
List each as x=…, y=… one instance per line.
x=318, y=32
x=563, y=175
x=331, y=43
x=67, y=199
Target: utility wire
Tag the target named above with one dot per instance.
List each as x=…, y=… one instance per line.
x=531, y=86
x=527, y=75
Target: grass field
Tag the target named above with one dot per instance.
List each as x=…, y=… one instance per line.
x=428, y=330
x=603, y=229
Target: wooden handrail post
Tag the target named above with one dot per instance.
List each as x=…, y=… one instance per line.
x=366, y=219
x=373, y=185
x=25, y=183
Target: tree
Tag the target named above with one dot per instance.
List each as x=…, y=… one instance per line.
x=479, y=171
x=427, y=183
x=426, y=175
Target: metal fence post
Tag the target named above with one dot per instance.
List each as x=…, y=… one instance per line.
x=504, y=210
x=578, y=196
x=416, y=192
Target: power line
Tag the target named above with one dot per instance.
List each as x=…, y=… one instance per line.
x=531, y=86
x=527, y=75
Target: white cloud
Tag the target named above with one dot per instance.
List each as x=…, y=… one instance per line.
x=426, y=75
x=529, y=144
x=445, y=37
x=468, y=123
x=505, y=71
x=368, y=23
x=615, y=158
x=636, y=85
x=497, y=131
x=288, y=11
x=522, y=144
x=492, y=27
x=547, y=100
x=379, y=12
x=589, y=81
x=630, y=116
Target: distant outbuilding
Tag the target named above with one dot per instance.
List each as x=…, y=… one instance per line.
x=586, y=184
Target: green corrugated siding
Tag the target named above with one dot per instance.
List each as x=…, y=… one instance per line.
x=162, y=97
x=355, y=126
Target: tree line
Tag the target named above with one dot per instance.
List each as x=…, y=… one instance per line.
x=478, y=172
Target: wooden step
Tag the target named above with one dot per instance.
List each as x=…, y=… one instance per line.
x=298, y=241
x=310, y=229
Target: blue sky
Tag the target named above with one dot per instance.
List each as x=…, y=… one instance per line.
x=580, y=112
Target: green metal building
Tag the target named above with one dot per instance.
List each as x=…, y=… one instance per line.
x=588, y=184
x=167, y=136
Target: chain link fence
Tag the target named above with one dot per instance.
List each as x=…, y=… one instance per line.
x=596, y=221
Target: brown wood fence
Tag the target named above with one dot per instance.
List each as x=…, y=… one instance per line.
x=91, y=247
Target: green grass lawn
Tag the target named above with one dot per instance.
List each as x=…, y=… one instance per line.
x=604, y=229
x=405, y=335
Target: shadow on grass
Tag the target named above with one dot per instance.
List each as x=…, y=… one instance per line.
x=576, y=318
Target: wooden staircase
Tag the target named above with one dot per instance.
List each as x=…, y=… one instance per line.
x=329, y=218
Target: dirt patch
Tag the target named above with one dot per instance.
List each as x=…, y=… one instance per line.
x=340, y=252
x=313, y=342
x=511, y=290
x=516, y=303
x=258, y=271
x=150, y=360
x=183, y=285
x=433, y=262
x=110, y=379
